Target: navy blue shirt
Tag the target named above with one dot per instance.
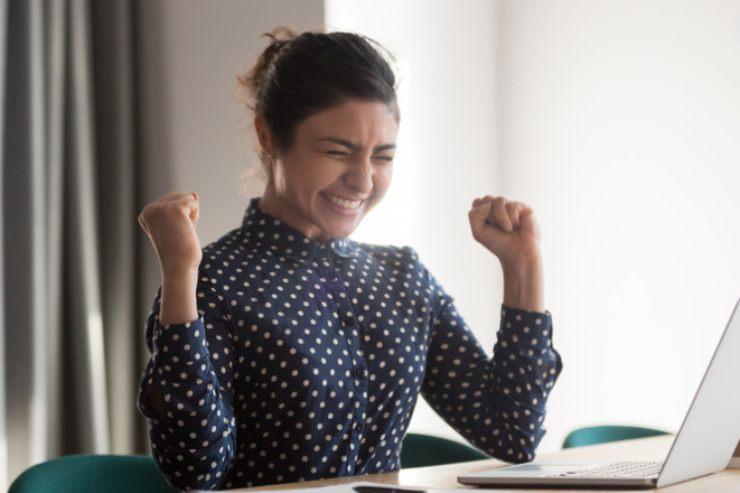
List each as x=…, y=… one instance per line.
x=307, y=359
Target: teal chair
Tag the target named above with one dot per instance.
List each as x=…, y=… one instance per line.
x=419, y=450
x=93, y=474
x=601, y=434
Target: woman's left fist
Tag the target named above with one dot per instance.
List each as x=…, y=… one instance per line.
x=508, y=229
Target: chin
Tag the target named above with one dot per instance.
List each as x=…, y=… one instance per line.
x=340, y=231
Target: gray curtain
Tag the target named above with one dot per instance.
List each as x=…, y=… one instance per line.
x=69, y=342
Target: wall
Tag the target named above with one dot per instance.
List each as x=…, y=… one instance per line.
x=448, y=147
x=194, y=132
x=621, y=125
x=195, y=138
x=619, y=122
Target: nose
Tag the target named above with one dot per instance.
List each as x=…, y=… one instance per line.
x=359, y=176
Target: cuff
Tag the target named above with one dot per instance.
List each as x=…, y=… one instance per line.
x=526, y=329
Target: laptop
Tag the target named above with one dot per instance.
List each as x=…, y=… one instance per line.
x=704, y=443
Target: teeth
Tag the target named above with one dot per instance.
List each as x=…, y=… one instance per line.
x=347, y=204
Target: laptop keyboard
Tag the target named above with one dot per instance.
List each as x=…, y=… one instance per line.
x=625, y=469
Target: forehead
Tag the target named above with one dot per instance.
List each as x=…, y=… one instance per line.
x=358, y=121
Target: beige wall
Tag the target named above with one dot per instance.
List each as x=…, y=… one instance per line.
x=193, y=133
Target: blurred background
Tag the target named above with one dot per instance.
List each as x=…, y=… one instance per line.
x=618, y=121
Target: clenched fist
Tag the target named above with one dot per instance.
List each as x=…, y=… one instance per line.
x=170, y=224
x=508, y=229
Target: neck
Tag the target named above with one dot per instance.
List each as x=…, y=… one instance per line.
x=273, y=205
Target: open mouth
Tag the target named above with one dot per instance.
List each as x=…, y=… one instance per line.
x=342, y=202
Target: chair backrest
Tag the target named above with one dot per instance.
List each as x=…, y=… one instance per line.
x=93, y=474
x=610, y=433
x=418, y=450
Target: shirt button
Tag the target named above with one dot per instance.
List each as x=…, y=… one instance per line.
x=347, y=320
x=360, y=372
x=358, y=426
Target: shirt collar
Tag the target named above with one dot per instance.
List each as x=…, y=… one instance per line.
x=267, y=232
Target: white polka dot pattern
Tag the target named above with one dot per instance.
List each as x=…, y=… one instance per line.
x=307, y=360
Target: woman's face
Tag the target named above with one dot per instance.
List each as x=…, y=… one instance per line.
x=338, y=168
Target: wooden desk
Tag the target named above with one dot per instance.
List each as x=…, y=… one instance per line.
x=446, y=476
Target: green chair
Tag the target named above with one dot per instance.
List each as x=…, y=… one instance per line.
x=601, y=434
x=419, y=450
x=93, y=474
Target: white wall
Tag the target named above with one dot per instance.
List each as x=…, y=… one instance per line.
x=621, y=126
x=447, y=154
x=619, y=121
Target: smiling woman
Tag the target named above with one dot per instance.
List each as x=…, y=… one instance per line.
x=337, y=169
x=326, y=117
x=285, y=351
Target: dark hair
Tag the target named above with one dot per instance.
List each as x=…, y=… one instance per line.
x=297, y=76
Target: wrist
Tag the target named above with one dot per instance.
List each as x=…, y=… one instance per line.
x=178, y=302
x=178, y=274
x=524, y=266
x=524, y=285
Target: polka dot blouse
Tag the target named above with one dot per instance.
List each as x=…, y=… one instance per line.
x=307, y=360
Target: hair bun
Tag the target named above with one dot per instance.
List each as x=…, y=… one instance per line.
x=297, y=76
x=254, y=80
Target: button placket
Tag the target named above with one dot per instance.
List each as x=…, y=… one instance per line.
x=358, y=377
x=360, y=383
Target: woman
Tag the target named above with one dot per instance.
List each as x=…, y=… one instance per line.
x=285, y=351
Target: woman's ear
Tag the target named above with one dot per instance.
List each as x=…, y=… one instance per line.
x=264, y=136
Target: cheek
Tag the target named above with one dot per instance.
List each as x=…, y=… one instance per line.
x=384, y=178
x=296, y=176
x=311, y=171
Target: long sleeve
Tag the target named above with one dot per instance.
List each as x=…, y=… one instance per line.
x=307, y=359
x=190, y=368
x=498, y=403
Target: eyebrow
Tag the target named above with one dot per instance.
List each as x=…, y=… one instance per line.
x=355, y=147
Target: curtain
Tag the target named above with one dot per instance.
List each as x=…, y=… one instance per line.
x=70, y=338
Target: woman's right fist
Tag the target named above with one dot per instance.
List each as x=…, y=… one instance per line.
x=170, y=224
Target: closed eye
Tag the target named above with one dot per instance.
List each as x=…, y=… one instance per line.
x=337, y=153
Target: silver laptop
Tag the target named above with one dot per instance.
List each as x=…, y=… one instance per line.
x=704, y=444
